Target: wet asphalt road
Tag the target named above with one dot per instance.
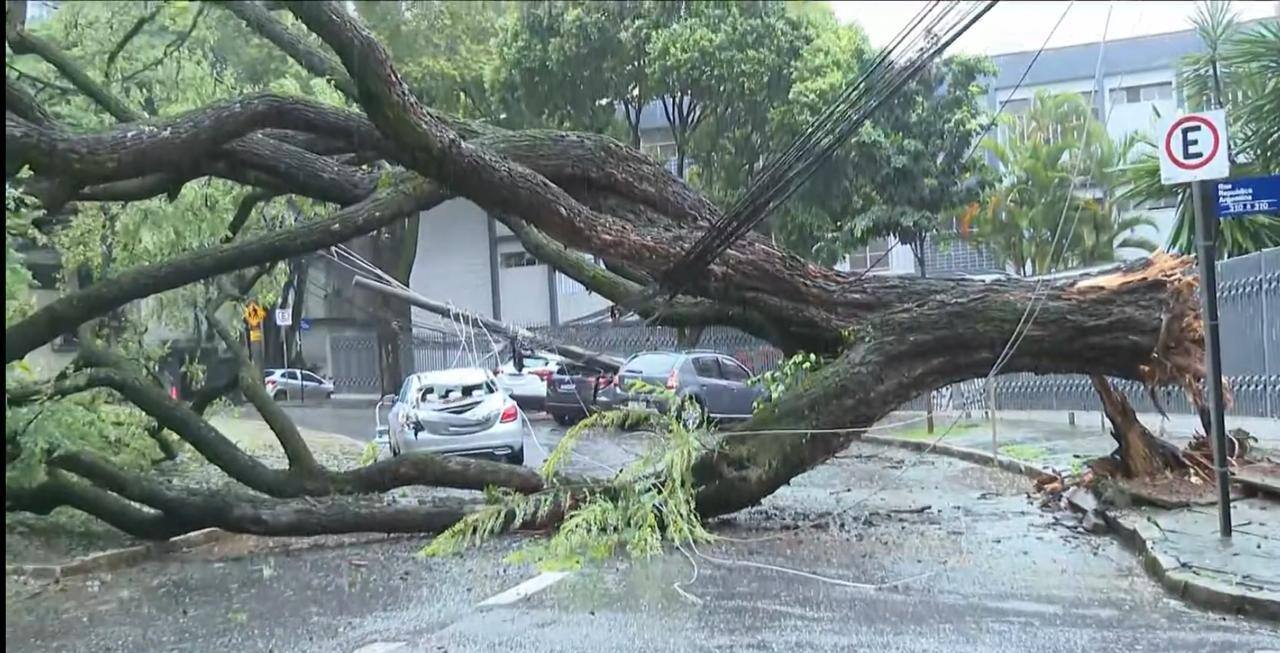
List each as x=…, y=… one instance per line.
x=985, y=570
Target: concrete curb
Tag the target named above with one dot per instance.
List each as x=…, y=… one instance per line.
x=1140, y=536
x=115, y=558
x=1135, y=535
x=963, y=453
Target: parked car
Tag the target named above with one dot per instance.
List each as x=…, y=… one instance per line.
x=575, y=391
x=528, y=386
x=716, y=384
x=285, y=384
x=457, y=412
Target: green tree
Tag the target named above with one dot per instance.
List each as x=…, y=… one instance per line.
x=448, y=49
x=908, y=170
x=1056, y=204
x=603, y=43
x=758, y=53
x=1237, y=70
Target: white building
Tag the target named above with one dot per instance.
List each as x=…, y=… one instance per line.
x=1130, y=82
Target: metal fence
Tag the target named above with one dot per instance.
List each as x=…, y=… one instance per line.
x=1249, y=323
x=354, y=358
x=1249, y=296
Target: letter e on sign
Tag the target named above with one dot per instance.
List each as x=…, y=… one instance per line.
x=1194, y=147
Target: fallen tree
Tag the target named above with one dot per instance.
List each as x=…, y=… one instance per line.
x=890, y=338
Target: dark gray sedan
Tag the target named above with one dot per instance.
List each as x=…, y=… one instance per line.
x=716, y=384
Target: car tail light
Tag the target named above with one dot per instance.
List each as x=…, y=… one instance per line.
x=673, y=380
x=509, y=414
x=271, y=384
x=545, y=375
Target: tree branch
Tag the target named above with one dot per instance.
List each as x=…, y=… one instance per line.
x=286, y=432
x=185, y=511
x=20, y=101
x=313, y=60
x=62, y=489
x=408, y=195
x=129, y=35
x=23, y=42
x=134, y=150
x=170, y=49
x=248, y=202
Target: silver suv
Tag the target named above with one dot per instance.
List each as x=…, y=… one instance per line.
x=716, y=384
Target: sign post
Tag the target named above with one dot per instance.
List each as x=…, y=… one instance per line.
x=1194, y=148
x=253, y=316
x=284, y=317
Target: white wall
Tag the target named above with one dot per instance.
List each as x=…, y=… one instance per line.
x=453, y=259
x=1140, y=117
x=524, y=291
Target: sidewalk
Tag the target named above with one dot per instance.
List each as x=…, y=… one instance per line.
x=1180, y=547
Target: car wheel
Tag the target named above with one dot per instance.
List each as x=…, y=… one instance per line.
x=563, y=419
x=692, y=413
x=328, y=396
x=280, y=395
x=515, y=457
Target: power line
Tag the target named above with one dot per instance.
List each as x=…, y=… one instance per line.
x=787, y=173
x=1015, y=339
x=1025, y=71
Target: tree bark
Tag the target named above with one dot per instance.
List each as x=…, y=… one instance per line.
x=75, y=308
x=1142, y=454
x=114, y=495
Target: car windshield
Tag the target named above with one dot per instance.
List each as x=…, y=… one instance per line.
x=447, y=393
x=651, y=364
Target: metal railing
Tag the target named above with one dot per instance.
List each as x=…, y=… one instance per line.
x=1249, y=292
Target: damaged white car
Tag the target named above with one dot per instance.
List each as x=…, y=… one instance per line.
x=457, y=412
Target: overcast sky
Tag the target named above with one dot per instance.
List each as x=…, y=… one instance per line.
x=1014, y=26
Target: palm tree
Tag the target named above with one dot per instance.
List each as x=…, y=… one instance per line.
x=1057, y=205
x=1237, y=70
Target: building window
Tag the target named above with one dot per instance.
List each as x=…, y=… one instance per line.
x=660, y=152
x=1166, y=202
x=1142, y=93
x=519, y=259
x=873, y=256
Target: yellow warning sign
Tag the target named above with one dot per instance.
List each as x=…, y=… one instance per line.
x=255, y=335
x=254, y=315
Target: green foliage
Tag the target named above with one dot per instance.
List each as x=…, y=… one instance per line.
x=905, y=174
x=649, y=501
x=446, y=51
x=1025, y=452
x=89, y=421
x=1236, y=70
x=18, y=280
x=786, y=377
x=1058, y=202
x=369, y=454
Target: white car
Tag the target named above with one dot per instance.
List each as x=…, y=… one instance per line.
x=296, y=384
x=529, y=386
x=458, y=412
